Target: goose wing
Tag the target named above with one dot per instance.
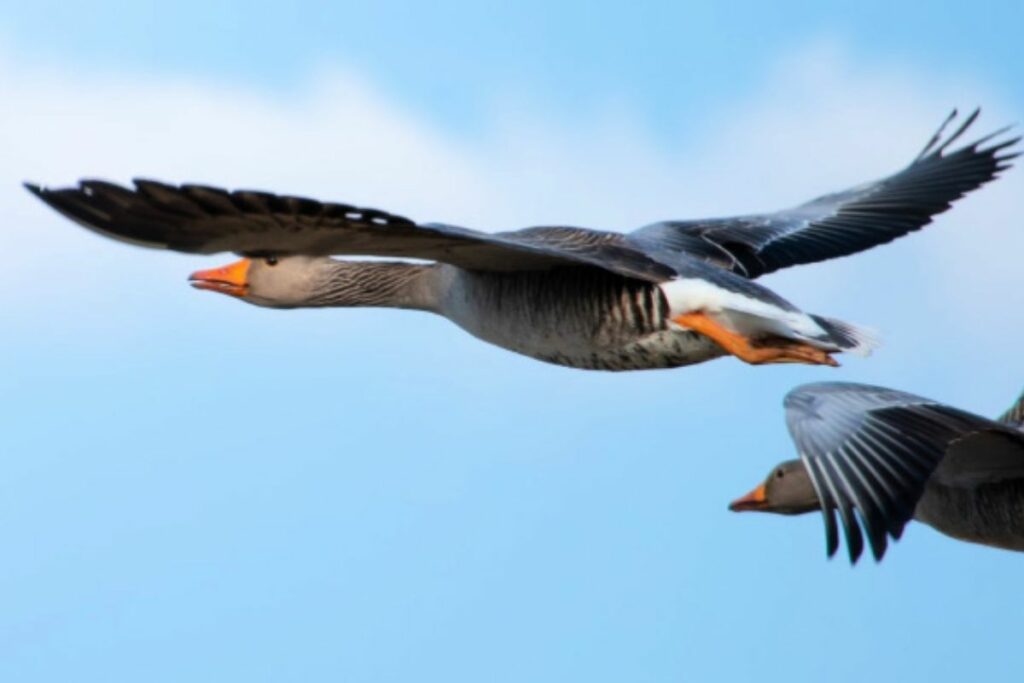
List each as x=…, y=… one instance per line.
x=983, y=457
x=1014, y=415
x=845, y=222
x=988, y=456
x=869, y=452
x=205, y=220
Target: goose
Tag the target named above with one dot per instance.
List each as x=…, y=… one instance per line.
x=666, y=295
x=882, y=457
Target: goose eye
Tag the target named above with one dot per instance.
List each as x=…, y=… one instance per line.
x=779, y=473
x=271, y=260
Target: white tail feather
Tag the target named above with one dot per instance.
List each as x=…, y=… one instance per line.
x=860, y=341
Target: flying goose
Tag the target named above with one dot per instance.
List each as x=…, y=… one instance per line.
x=881, y=457
x=668, y=294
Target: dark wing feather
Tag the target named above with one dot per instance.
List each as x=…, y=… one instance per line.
x=206, y=220
x=845, y=222
x=984, y=457
x=869, y=452
x=1014, y=415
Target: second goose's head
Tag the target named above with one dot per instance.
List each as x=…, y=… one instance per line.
x=787, y=491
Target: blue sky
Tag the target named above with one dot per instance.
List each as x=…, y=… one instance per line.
x=195, y=489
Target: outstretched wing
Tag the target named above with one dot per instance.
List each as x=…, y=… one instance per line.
x=845, y=222
x=869, y=451
x=206, y=220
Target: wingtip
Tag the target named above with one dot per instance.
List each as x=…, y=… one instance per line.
x=1007, y=144
x=37, y=190
x=854, y=539
x=831, y=533
x=877, y=540
x=936, y=145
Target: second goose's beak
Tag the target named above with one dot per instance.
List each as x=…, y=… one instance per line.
x=755, y=500
x=233, y=279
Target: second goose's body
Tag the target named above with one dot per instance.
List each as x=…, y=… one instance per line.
x=969, y=499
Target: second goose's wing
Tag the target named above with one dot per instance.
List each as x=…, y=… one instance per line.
x=869, y=451
x=842, y=223
x=988, y=456
x=205, y=220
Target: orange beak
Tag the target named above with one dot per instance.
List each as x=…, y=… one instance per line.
x=233, y=279
x=755, y=500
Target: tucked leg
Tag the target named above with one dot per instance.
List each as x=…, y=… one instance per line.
x=776, y=351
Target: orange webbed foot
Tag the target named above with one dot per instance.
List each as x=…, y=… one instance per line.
x=770, y=350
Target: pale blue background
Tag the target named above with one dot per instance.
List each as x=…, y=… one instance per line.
x=194, y=489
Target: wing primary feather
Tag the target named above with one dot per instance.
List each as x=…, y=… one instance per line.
x=213, y=200
x=167, y=198
x=899, y=508
x=872, y=507
x=847, y=511
x=827, y=504
x=898, y=441
x=937, y=136
x=1014, y=415
x=845, y=222
x=978, y=144
x=833, y=479
x=959, y=131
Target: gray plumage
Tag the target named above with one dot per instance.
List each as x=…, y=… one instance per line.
x=621, y=323
x=880, y=457
x=614, y=305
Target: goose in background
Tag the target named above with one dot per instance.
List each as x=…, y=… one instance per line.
x=881, y=457
x=668, y=294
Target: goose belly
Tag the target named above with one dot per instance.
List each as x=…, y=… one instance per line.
x=668, y=349
x=580, y=318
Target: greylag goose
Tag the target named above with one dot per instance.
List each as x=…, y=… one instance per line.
x=881, y=457
x=668, y=294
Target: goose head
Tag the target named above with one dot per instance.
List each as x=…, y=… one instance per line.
x=787, y=490
x=272, y=281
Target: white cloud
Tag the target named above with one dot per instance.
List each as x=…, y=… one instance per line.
x=819, y=123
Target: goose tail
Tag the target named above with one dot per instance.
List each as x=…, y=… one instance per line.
x=860, y=341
